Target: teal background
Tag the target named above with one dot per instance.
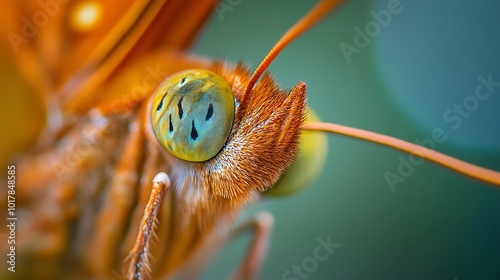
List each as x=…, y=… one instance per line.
x=437, y=224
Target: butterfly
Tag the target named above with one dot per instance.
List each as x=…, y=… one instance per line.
x=128, y=106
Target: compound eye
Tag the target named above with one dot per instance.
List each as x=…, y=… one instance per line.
x=192, y=114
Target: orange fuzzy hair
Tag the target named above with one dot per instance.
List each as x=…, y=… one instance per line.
x=262, y=144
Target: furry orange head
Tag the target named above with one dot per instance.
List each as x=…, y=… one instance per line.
x=262, y=142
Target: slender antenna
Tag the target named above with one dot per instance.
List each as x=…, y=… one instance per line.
x=310, y=19
x=473, y=171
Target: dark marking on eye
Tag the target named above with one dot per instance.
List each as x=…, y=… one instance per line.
x=183, y=80
x=194, y=132
x=210, y=112
x=161, y=103
x=170, y=125
x=159, y=106
x=179, y=106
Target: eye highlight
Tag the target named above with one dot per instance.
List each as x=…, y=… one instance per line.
x=192, y=114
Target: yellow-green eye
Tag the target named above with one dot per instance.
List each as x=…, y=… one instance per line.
x=192, y=114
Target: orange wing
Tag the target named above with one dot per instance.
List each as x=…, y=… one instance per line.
x=62, y=53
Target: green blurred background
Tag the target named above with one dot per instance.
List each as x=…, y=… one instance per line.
x=436, y=224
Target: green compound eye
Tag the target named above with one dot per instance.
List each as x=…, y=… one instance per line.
x=192, y=114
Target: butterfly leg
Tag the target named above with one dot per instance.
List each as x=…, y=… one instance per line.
x=116, y=207
x=140, y=254
x=262, y=225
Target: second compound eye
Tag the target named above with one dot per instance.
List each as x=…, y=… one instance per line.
x=192, y=114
